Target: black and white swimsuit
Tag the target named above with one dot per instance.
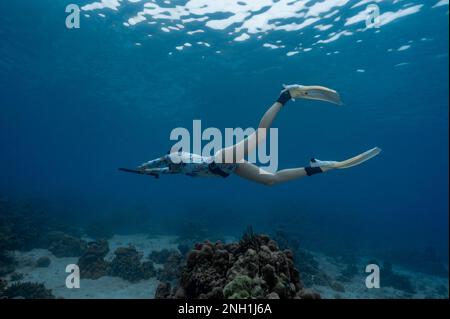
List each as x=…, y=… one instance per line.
x=192, y=165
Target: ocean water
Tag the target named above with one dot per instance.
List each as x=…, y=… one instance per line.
x=76, y=104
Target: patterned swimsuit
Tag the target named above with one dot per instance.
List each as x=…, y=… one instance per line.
x=193, y=165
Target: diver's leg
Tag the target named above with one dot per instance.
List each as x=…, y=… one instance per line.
x=257, y=174
x=237, y=152
x=254, y=173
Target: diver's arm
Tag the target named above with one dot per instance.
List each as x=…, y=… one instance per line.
x=151, y=171
x=154, y=164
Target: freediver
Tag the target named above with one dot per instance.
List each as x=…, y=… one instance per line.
x=231, y=160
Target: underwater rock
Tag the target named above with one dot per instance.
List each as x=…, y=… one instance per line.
x=127, y=265
x=442, y=291
x=172, y=267
x=183, y=248
x=309, y=294
x=268, y=272
x=16, y=276
x=43, y=262
x=285, y=240
x=254, y=267
x=305, y=261
x=17, y=231
x=3, y=285
x=63, y=245
x=273, y=295
x=7, y=263
x=163, y=291
x=249, y=240
x=27, y=290
x=337, y=286
x=160, y=257
x=23, y=227
x=91, y=262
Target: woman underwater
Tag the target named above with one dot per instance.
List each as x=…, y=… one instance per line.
x=232, y=159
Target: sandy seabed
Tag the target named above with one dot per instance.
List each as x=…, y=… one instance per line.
x=107, y=287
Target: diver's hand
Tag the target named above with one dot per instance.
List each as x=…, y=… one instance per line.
x=156, y=163
x=142, y=167
x=155, y=172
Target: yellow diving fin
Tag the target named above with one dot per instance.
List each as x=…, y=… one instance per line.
x=358, y=159
x=313, y=92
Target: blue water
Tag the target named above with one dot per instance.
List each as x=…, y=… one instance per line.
x=77, y=104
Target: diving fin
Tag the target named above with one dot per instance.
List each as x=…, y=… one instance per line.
x=313, y=92
x=358, y=159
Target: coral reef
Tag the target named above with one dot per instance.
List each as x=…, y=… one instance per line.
x=286, y=240
x=252, y=268
x=127, y=265
x=244, y=287
x=306, y=263
x=161, y=256
x=43, y=262
x=23, y=227
x=27, y=290
x=172, y=262
x=7, y=263
x=183, y=249
x=3, y=285
x=173, y=265
x=91, y=262
x=62, y=245
x=163, y=291
x=189, y=233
